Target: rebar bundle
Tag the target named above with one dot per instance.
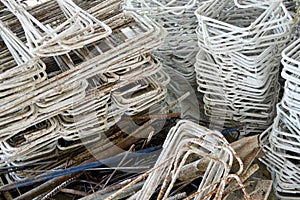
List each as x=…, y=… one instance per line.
x=192, y=148
x=180, y=46
x=281, y=141
x=96, y=99
x=238, y=64
x=78, y=29
x=75, y=80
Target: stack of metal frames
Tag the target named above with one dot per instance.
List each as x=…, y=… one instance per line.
x=72, y=31
x=180, y=47
x=238, y=62
x=58, y=96
x=188, y=146
x=281, y=141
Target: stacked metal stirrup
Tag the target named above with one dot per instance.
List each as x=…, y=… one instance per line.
x=281, y=142
x=76, y=29
x=177, y=17
x=187, y=146
x=86, y=91
x=21, y=72
x=238, y=62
